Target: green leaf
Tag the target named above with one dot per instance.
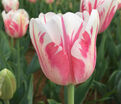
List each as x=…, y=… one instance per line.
x=51, y=101
x=111, y=80
x=4, y=45
x=34, y=65
x=102, y=61
x=100, y=87
x=111, y=48
x=82, y=90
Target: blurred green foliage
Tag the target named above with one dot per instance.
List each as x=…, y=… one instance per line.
x=103, y=87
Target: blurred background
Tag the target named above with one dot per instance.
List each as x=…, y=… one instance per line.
x=103, y=87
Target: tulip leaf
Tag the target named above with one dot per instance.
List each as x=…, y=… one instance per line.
x=51, y=101
x=34, y=65
x=4, y=45
x=100, y=87
x=82, y=90
x=102, y=61
x=5, y=51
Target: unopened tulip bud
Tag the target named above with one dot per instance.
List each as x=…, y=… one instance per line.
x=7, y=84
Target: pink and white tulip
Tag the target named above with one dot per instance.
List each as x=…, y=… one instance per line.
x=16, y=22
x=66, y=45
x=106, y=10
x=10, y=5
x=32, y=1
x=49, y=1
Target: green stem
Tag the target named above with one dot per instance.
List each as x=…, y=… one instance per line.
x=12, y=43
x=6, y=102
x=71, y=94
x=50, y=6
x=18, y=62
x=73, y=2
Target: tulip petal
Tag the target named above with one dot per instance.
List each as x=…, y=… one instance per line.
x=50, y=54
x=84, y=50
x=46, y=17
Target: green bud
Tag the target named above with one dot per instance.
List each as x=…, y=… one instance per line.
x=7, y=84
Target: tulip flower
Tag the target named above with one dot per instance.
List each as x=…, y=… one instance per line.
x=66, y=45
x=10, y=5
x=49, y=1
x=16, y=22
x=32, y=1
x=106, y=10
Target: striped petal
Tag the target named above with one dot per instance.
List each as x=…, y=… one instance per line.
x=84, y=50
x=46, y=17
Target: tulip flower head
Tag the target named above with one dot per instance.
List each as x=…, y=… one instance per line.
x=106, y=10
x=49, y=1
x=66, y=45
x=32, y=1
x=16, y=22
x=10, y=5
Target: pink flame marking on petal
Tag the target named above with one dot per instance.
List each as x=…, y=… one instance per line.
x=83, y=6
x=101, y=14
x=78, y=69
x=85, y=43
x=41, y=37
x=45, y=19
x=36, y=47
x=11, y=27
x=91, y=30
x=59, y=61
x=95, y=5
x=8, y=28
x=77, y=34
x=90, y=7
x=65, y=36
x=67, y=46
